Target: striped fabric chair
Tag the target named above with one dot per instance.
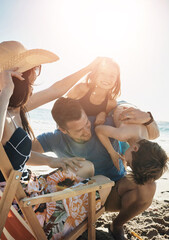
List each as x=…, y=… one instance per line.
x=13, y=226
x=16, y=227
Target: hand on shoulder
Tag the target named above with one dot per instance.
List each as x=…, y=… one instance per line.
x=134, y=115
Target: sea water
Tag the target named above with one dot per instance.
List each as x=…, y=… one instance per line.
x=41, y=121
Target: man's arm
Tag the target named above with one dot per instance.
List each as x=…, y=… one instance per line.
x=136, y=116
x=39, y=159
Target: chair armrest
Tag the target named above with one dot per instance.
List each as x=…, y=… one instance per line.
x=66, y=193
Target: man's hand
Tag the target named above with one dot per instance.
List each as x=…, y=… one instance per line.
x=65, y=163
x=133, y=115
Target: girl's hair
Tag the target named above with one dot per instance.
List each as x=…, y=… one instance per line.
x=116, y=89
x=22, y=90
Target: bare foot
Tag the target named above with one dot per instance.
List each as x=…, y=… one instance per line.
x=117, y=233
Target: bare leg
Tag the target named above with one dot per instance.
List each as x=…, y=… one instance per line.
x=103, y=192
x=133, y=200
x=113, y=202
x=86, y=171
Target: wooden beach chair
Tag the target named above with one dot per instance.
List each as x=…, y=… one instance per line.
x=10, y=220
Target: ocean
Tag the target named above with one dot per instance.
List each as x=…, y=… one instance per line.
x=41, y=121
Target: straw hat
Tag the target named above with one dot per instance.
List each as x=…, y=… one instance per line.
x=14, y=54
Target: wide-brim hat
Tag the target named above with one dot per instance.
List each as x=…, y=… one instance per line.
x=14, y=54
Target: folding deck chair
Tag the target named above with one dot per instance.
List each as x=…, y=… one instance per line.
x=12, y=225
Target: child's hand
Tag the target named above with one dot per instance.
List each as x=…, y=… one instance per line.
x=100, y=118
x=115, y=158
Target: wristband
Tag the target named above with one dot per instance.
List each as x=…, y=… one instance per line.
x=150, y=121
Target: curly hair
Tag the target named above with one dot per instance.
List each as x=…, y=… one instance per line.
x=65, y=110
x=149, y=162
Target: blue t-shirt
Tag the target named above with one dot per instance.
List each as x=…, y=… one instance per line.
x=93, y=150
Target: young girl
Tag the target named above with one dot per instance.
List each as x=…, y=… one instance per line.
x=98, y=94
x=16, y=133
x=122, y=131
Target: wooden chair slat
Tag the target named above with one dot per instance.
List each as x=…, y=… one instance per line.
x=8, y=195
x=91, y=216
x=66, y=193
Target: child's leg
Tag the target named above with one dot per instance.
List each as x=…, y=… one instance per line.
x=103, y=192
x=87, y=171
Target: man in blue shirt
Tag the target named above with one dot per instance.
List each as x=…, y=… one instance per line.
x=63, y=145
x=76, y=138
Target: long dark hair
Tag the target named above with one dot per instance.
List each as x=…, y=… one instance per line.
x=21, y=93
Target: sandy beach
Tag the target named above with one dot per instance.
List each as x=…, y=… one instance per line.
x=152, y=224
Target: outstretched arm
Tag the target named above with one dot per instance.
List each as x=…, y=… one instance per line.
x=123, y=133
x=136, y=116
x=59, y=88
x=104, y=132
x=38, y=159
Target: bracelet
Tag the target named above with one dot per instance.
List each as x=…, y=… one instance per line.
x=150, y=121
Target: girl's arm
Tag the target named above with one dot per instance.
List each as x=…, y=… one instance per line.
x=4, y=100
x=153, y=130
x=101, y=117
x=112, y=103
x=78, y=91
x=59, y=88
x=136, y=116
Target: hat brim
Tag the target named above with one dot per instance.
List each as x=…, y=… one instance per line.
x=30, y=59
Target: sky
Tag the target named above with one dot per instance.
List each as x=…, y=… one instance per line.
x=135, y=33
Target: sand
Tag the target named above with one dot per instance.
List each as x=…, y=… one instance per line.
x=152, y=224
